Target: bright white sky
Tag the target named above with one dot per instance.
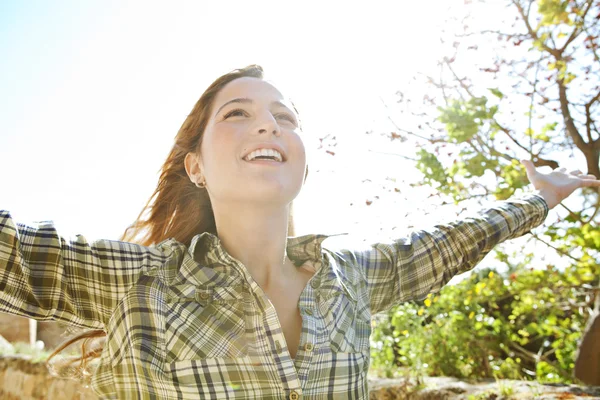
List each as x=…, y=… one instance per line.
x=93, y=93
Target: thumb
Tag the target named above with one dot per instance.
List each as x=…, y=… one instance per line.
x=529, y=167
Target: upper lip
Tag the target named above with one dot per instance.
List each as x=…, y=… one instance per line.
x=272, y=146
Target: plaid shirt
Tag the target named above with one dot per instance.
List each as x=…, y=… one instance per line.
x=189, y=323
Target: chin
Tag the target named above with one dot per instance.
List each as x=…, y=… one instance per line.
x=280, y=194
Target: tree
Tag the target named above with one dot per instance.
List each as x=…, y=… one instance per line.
x=521, y=79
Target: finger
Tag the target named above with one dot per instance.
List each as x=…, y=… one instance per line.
x=587, y=176
x=590, y=183
x=576, y=172
x=563, y=169
x=529, y=167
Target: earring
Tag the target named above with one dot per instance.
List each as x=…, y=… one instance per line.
x=201, y=185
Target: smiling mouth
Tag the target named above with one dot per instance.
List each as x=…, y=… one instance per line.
x=264, y=154
x=264, y=161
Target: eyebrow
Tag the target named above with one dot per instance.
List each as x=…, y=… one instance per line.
x=245, y=100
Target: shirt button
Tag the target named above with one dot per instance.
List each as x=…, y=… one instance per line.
x=278, y=345
x=294, y=395
x=308, y=346
x=204, y=296
x=308, y=311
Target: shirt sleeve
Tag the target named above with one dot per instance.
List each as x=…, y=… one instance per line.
x=411, y=267
x=45, y=276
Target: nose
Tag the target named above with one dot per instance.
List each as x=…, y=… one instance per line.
x=275, y=131
x=269, y=125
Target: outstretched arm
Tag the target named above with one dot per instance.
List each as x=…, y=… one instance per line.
x=425, y=260
x=45, y=276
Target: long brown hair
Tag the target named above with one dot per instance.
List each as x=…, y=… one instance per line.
x=177, y=209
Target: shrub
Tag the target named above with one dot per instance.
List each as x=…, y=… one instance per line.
x=521, y=324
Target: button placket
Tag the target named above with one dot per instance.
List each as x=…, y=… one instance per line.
x=307, y=348
x=203, y=296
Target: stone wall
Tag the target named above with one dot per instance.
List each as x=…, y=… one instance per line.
x=21, y=379
x=446, y=388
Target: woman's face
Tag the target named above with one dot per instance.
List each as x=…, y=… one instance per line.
x=250, y=114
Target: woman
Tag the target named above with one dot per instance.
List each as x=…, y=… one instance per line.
x=216, y=301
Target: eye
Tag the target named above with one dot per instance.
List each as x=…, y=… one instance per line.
x=235, y=112
x=286, y=117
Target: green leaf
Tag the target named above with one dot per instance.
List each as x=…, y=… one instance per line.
x=569, y=78
x=549, y=127
x=496, y=93
x=529, y=132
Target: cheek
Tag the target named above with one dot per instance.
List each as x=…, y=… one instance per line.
x=216, y=145
x=300, y=148
x=219, y=138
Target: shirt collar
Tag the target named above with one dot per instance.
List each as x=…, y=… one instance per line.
x=206, y=264
x=205, y=248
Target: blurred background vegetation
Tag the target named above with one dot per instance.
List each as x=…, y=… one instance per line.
x=523, y=85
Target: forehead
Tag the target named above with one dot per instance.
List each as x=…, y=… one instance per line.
x=251, y=88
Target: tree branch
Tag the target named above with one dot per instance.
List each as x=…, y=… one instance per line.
x=430, y=140
x=588, y=116
x=557, y=250
x=507, y=132
x=487, y=31
x=536, y=357
x=456, y=202
x=571, y=213
x=394, y=154
x=577, y=31
x=460, y=81
x=491, y=150
x=569, y=123
x=594, y=52
x=593, y=214
x=531, y=31
x=536, y=159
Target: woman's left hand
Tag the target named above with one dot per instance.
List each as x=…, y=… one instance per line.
x=557, y=185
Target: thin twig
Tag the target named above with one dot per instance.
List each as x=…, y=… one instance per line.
x=558, y=250
x=394, y=154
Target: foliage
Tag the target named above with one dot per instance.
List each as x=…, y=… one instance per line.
x=545, y=103
x=521, y=324
x=535, y=95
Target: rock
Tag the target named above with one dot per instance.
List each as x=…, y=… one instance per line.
x=5, y=346
x=444, y=388
x=20, y=378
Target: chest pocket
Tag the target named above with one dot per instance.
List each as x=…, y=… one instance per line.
x=347, y=324
x=209, y=325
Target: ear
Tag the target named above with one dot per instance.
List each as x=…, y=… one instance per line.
x=193, y=167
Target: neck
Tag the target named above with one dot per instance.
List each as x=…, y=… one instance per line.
x=257, y=237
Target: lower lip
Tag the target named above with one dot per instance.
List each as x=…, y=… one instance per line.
x=265, y=162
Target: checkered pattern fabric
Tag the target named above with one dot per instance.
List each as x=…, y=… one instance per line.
x=189, y=323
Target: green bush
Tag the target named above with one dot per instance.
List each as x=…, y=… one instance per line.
x=521, y=324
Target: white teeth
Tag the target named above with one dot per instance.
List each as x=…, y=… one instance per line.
x=264, y=152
